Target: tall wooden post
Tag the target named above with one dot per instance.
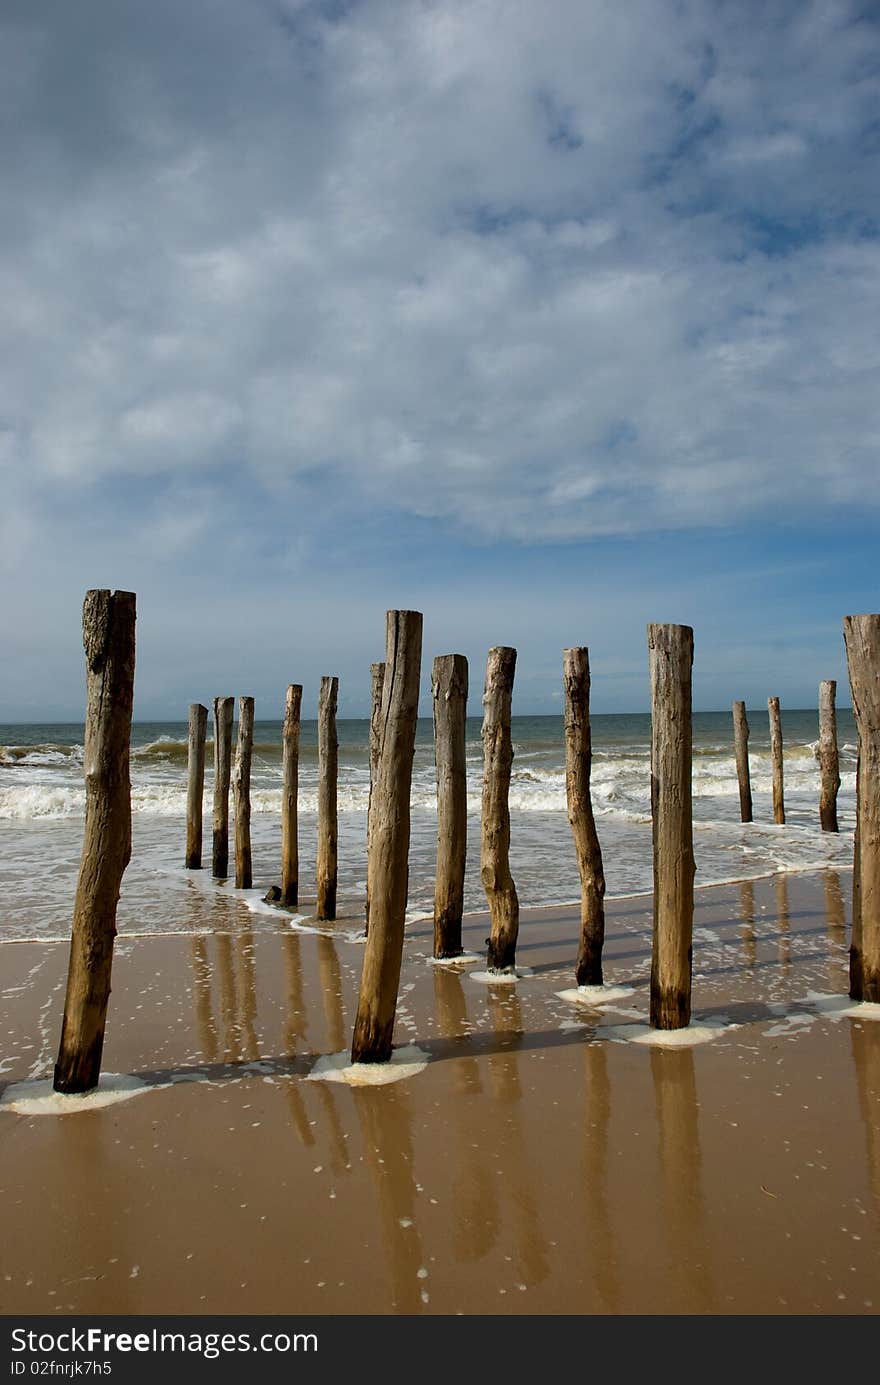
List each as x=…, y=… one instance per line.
x=328, y=755
x=829, y=765
x=387, y=868
x=671, y=649
x=741, y=750
x=241, y=794
x=449, y=691
x=862, y=638
x=776, y=758
x=377, y=679
x=222, y=776
x=495, y=824
x=289, y=796
x=109, y=643
x=195, y=785
x=578, y=764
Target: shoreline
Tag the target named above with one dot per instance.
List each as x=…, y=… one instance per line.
x=540, y=1162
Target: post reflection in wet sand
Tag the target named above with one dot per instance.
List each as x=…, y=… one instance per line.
x=599, y=1232
x=675, y=1092
x=747, y=913
x=202, y=987
x=783, y=919
x=518, y=1183
x=295, y=1031
x=865, y=1039
x=386, y=1132
x=331, y=994
x=450, y=1007
x=226, y=973
x=247, y=995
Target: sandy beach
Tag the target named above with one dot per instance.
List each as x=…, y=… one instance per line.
x=540, y=1161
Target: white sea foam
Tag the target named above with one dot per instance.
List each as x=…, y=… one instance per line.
x=40, y=1099
x=695, y=1033
x=338, y=1067
x=595, y=996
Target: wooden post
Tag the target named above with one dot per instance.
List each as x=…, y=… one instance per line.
x=195, y=786
x=495, y=824
x=449, y=691
x=109, y=643
x=326, y=866
x=289, y=796
x=741, y=750
x=241, y=794
x=776, y=757
x=377, y=679
x=829, y=766
x=671, y=649
x=862, y=638
x=222, y=775
x=387, y=868
x=578, y=763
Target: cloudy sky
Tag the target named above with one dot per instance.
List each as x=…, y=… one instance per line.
x=548, y=318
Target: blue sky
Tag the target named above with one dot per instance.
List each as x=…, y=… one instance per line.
x=548, y=320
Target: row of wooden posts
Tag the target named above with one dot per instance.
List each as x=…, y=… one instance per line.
x=829, y=764
x=108, y=636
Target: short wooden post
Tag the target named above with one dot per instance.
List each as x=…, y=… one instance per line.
x=741, y=750
x=829, y=764
x=495, y=822
x=289, y=796
x=241, y=794
x=449, y=691
x=671, y=649
x=578, y=765
x=387, y=868
x=776, y=758
x=109, y=642
x=326, y=866
x=377, y=679
x=862, y=638
x=222, y=776
x=195, y=784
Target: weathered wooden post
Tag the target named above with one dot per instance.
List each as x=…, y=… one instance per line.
x=241, y=794
x=449, y=691
x=328, y=755
x=776, y=758
x=829, y=765
x=387, y=868
x=741, y=750
x=109, y=643
x=862, y=638
x=195, y=784
x=222, y=776
x=671, y=649
x=578, y=764
x=495, y=822
x=377, y=679
x=289, y=796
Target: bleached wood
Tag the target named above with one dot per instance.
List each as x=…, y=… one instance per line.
x=671, y=649
x=387, y=868
x=289, y=796
x=109, y=643
x=326, y=867
x=449, y=691
x=377, y=679
x=578, y=765
x=195, y=784
x=829, y=761
x=495, y=819
x=741, y=750
x=241, y=794
x=862, y=638
x=776, y=759
x=223, y=707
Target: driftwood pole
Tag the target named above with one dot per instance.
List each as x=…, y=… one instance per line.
x=222, y=775
x=862, y=638
x=387, y=868
x=289, y=796
x=741, y=750
x=195, y=785
x=776, y=758
x=578, y=764
x=326, y=866
x=241, y=794
x=671, y=649
x=495, y=823
x=829, y=765
x=449, y=691
x=377, y=679
x=109, y=642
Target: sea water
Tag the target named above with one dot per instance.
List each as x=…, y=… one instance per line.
x=42, y=802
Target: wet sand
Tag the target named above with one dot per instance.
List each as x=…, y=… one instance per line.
x=536, y=1165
